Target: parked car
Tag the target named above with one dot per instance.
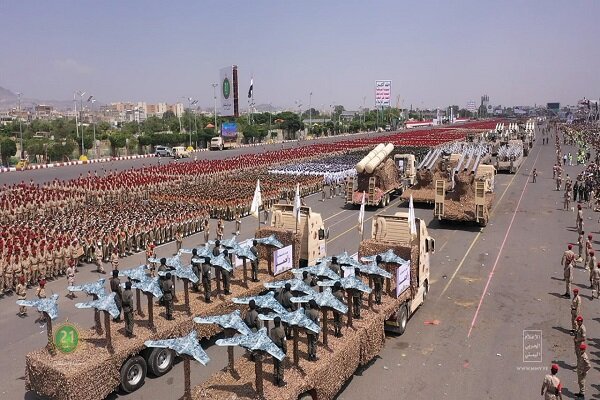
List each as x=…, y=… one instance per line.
x=163, y=151
x=180, y=152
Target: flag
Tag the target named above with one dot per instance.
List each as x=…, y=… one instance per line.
x=250, y=91
x=361, y=214
x=297, y=203
x=256, y=201
x=411, y=217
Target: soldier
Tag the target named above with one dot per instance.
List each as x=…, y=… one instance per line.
x=251, y=318
x=238, y=223
x=567, y=262
x=551, y=388
x=579, y=219
x=335, y=267
x=128, y=309
x=21, y=292
x=115, y=287
x=178, y=240
x=254, y=263
x=583, y=366
x=2, y=268
x=206, y=229
x=356, y=298
x=167, y=289
x=323, y=194
x=338, y=293
x=195, y=261
x=588, y=249
x=35, y=270
x=567, y=200
x=575, y=310
x=279, y=339
x=226, y=275
x=98, y=258
x=580, y=335
x=114, y=259
x=534, y=175
x=71, y=277
x=595, y=276
x=378, y=282
x=313, y=315
x=308, y=279
x=580, y=246
x=26, y=269
x=205, y=270
x=163, y=265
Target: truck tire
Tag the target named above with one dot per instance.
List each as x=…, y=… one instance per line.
x=425, y=290
x=160, y=361
x=133, y=374
x=220, y=147
x=306, y=396
x=402, y=318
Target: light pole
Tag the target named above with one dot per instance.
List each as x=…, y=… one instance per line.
x=81, y=94
x=191, y=102
x=93, y=100
x=21, y=127
x=309, y=112
x=214, y=86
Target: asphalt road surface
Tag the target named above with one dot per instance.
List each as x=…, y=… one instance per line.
x=487, y=287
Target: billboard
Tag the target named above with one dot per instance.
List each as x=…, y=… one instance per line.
x=553, y=106
x=283, y=260
x=229, y=129
x=229, y=91
x=471, y=106
x=383, y=93
x=402, y=278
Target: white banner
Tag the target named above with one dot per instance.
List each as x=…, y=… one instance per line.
x=383, y=93
x=283, y=260
x=226, y=91
x=402, y=278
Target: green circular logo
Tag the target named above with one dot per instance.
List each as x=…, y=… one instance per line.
x=66, y=338
x=226, y=88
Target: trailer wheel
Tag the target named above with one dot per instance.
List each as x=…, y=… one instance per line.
x=402, y=319
x=133, y=374
x=425, y=290
x=308, y=395
x=160, y=361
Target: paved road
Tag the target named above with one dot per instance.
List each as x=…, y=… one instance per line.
x=428, y=361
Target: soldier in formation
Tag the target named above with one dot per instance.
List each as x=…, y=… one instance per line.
x=551, y=387
x=251, y=318
x=583, y=366
x=21, y=292
x=312, y=337
x=254, y=263
x=115, y=287
x=338, y=293
x=206, y=277
x=167, y=289
x=567, y=262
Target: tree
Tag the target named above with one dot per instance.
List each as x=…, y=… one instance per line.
x=8, y=148
x=117, y=140
x=311, y=112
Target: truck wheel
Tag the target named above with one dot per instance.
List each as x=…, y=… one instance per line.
x=307, y=396
x=425, y=290
x=133, y=374
x=402, y=319
x=160, y=361
x=220, y=147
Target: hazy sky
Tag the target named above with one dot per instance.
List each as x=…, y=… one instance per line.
x=436, y=53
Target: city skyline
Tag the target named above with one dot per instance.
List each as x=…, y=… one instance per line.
x=435, y=55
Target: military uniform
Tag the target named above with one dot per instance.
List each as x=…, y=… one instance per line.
x=378, y=285
x=115, y=287
x=178, y=240
x=254, y=263
x=313, y=315
x=567, y=261
x=337, y=316
x=583, y=366
x=251, y=320
x=279, y=339
x=551, y=387
x=575, y=310
x=580, y=337
x=596, y=282
x=128, y=311
x=195, y=261
x=205, y=270
x=167, y=289
x=21, y=292
x=356, y=303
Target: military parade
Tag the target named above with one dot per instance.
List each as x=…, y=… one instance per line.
x=259, y=201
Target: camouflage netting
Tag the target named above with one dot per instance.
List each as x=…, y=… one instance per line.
x=337, y=363
x=91, y=373
x=286, y=237
x=386, y=175
x=423, y=191
x=460, y=203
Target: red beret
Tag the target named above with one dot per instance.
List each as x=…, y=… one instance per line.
x=582, y=346
x=576, y=290
x=570, y=246
x=554, y=367
x=579, y=318
x=589, y=236
x=592, y=252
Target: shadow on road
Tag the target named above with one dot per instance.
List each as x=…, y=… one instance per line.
x=562, y=330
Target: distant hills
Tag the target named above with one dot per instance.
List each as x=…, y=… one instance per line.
x=9, y=99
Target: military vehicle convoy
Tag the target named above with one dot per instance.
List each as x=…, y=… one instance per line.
x=510, y=156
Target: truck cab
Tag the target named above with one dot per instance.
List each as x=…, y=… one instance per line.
x=216, y=143
x=407, y=168
x=395, y=231
x=311, y=231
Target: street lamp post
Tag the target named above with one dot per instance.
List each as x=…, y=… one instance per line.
x=21, y=127
x=309, y=112
x=81, y=94
x=214, y=85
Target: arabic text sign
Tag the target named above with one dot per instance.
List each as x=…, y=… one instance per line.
x=283, y=259
x=402, y=278
x=383, y=93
